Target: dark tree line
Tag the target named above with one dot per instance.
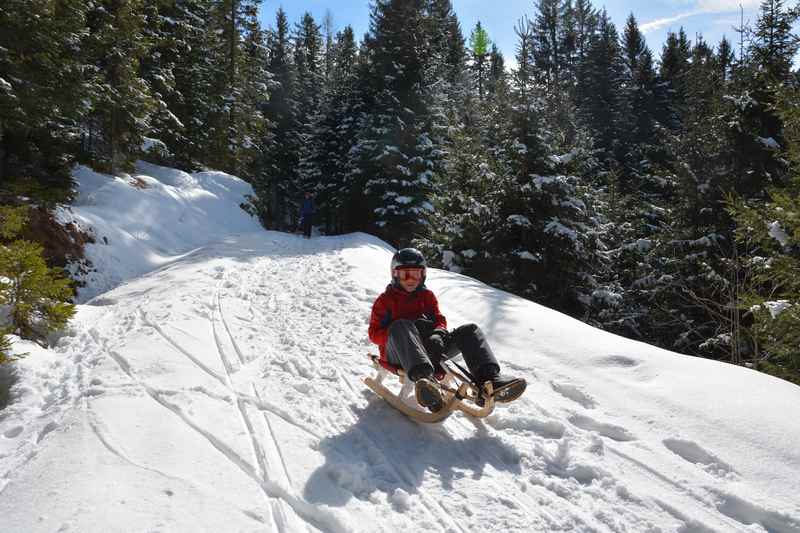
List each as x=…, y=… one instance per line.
x=651, y=193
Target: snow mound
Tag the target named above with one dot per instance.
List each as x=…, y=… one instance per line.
x=145, y=221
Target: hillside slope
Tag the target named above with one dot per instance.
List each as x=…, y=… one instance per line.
x=222, y=392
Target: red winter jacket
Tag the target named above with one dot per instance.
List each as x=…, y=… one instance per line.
x=394, y=304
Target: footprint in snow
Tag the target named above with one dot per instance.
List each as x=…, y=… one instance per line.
x=574, y=393
x=695, y=454
x=749, y=514
x=611, y=431
x=548, y=429
x=13, y=432
x=621, y=361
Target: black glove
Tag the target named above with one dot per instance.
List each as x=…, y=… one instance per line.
x=424, y=326
x=435, y=345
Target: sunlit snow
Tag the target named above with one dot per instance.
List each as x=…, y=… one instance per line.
x=213, y=383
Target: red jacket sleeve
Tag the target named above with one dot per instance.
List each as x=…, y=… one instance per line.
x=439, y=321
x=379, y=321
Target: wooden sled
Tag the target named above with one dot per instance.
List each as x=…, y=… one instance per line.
x=458, y=394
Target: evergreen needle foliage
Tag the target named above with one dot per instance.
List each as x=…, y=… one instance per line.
x=593, y=177
x=34, y=297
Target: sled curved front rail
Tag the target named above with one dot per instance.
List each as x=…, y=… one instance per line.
x=453, y=398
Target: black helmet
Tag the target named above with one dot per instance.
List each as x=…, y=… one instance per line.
x=408, y=258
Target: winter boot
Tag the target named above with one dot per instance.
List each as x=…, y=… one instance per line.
x=428, y=394
x=504, y=389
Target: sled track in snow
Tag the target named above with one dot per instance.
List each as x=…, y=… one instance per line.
x=276, y=495
x=260, y=452
x=310, y=513
x=146, y=320
x=258, y=403
x=312, y=269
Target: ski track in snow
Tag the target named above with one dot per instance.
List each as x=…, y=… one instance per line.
x=282, y=358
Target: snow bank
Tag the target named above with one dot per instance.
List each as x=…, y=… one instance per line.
x=147, y=220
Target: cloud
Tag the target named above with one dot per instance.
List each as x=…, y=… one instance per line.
x=701, y=7
x=718, y=6
x=657, y=24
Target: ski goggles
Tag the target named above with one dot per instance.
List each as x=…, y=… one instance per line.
x=404, y=274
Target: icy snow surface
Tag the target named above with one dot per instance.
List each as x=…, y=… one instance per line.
x=221, y=392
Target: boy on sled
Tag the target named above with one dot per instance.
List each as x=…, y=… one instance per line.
x=412, y=335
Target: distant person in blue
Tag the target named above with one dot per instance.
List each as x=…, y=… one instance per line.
x=307, y=215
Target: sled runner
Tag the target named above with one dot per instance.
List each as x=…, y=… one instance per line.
x=458, y=393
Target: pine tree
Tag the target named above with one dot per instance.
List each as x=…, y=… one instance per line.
x=774, y=44
x=585, y=20
x=188, y=51
x=41, y=95
x=336, y=131
x=675, y=56
x=547, y=53
x=447, y=48
x=37, y=296
x=599, y=92
x=538, y=221
x=479, y=46
x=641, y=132
x=725, y=59
x=121, y=101
x=773, y=228
x=464, y=214
x=497, y=69
x=277, y=167
x=236, y=119
x=310, y=97
x=392, y=156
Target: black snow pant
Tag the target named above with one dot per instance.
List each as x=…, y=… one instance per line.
x=406, y=348
x=306, y=223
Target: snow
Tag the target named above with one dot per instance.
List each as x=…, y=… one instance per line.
x=525, y=254
x=606, y=297
x=519, y=220
x=775, y=308
x=192, y=210
x=778, y=233
x=154, y=145
x=213, y=384
x=557, y=228
x=449, y=261
x=769, y=142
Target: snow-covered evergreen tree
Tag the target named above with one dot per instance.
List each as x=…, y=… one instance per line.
x=392, y=155
x=41, y=91
x=311, y=97
x=599, y=92
x=122, y=102
x=277, y=166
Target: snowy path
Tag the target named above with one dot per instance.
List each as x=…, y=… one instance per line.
x=223, y=393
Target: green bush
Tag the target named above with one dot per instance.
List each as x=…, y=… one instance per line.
x=5, y=348
x=35, y=297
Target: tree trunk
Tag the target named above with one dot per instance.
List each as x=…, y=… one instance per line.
x=231, y=87
x=113, y=140
x=2, y=153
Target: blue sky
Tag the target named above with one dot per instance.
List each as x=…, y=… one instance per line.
x=711, y=18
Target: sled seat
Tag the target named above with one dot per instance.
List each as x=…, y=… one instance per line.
x=396, y=370
x=439, y=374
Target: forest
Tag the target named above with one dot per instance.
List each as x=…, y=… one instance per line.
x=651, y=193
